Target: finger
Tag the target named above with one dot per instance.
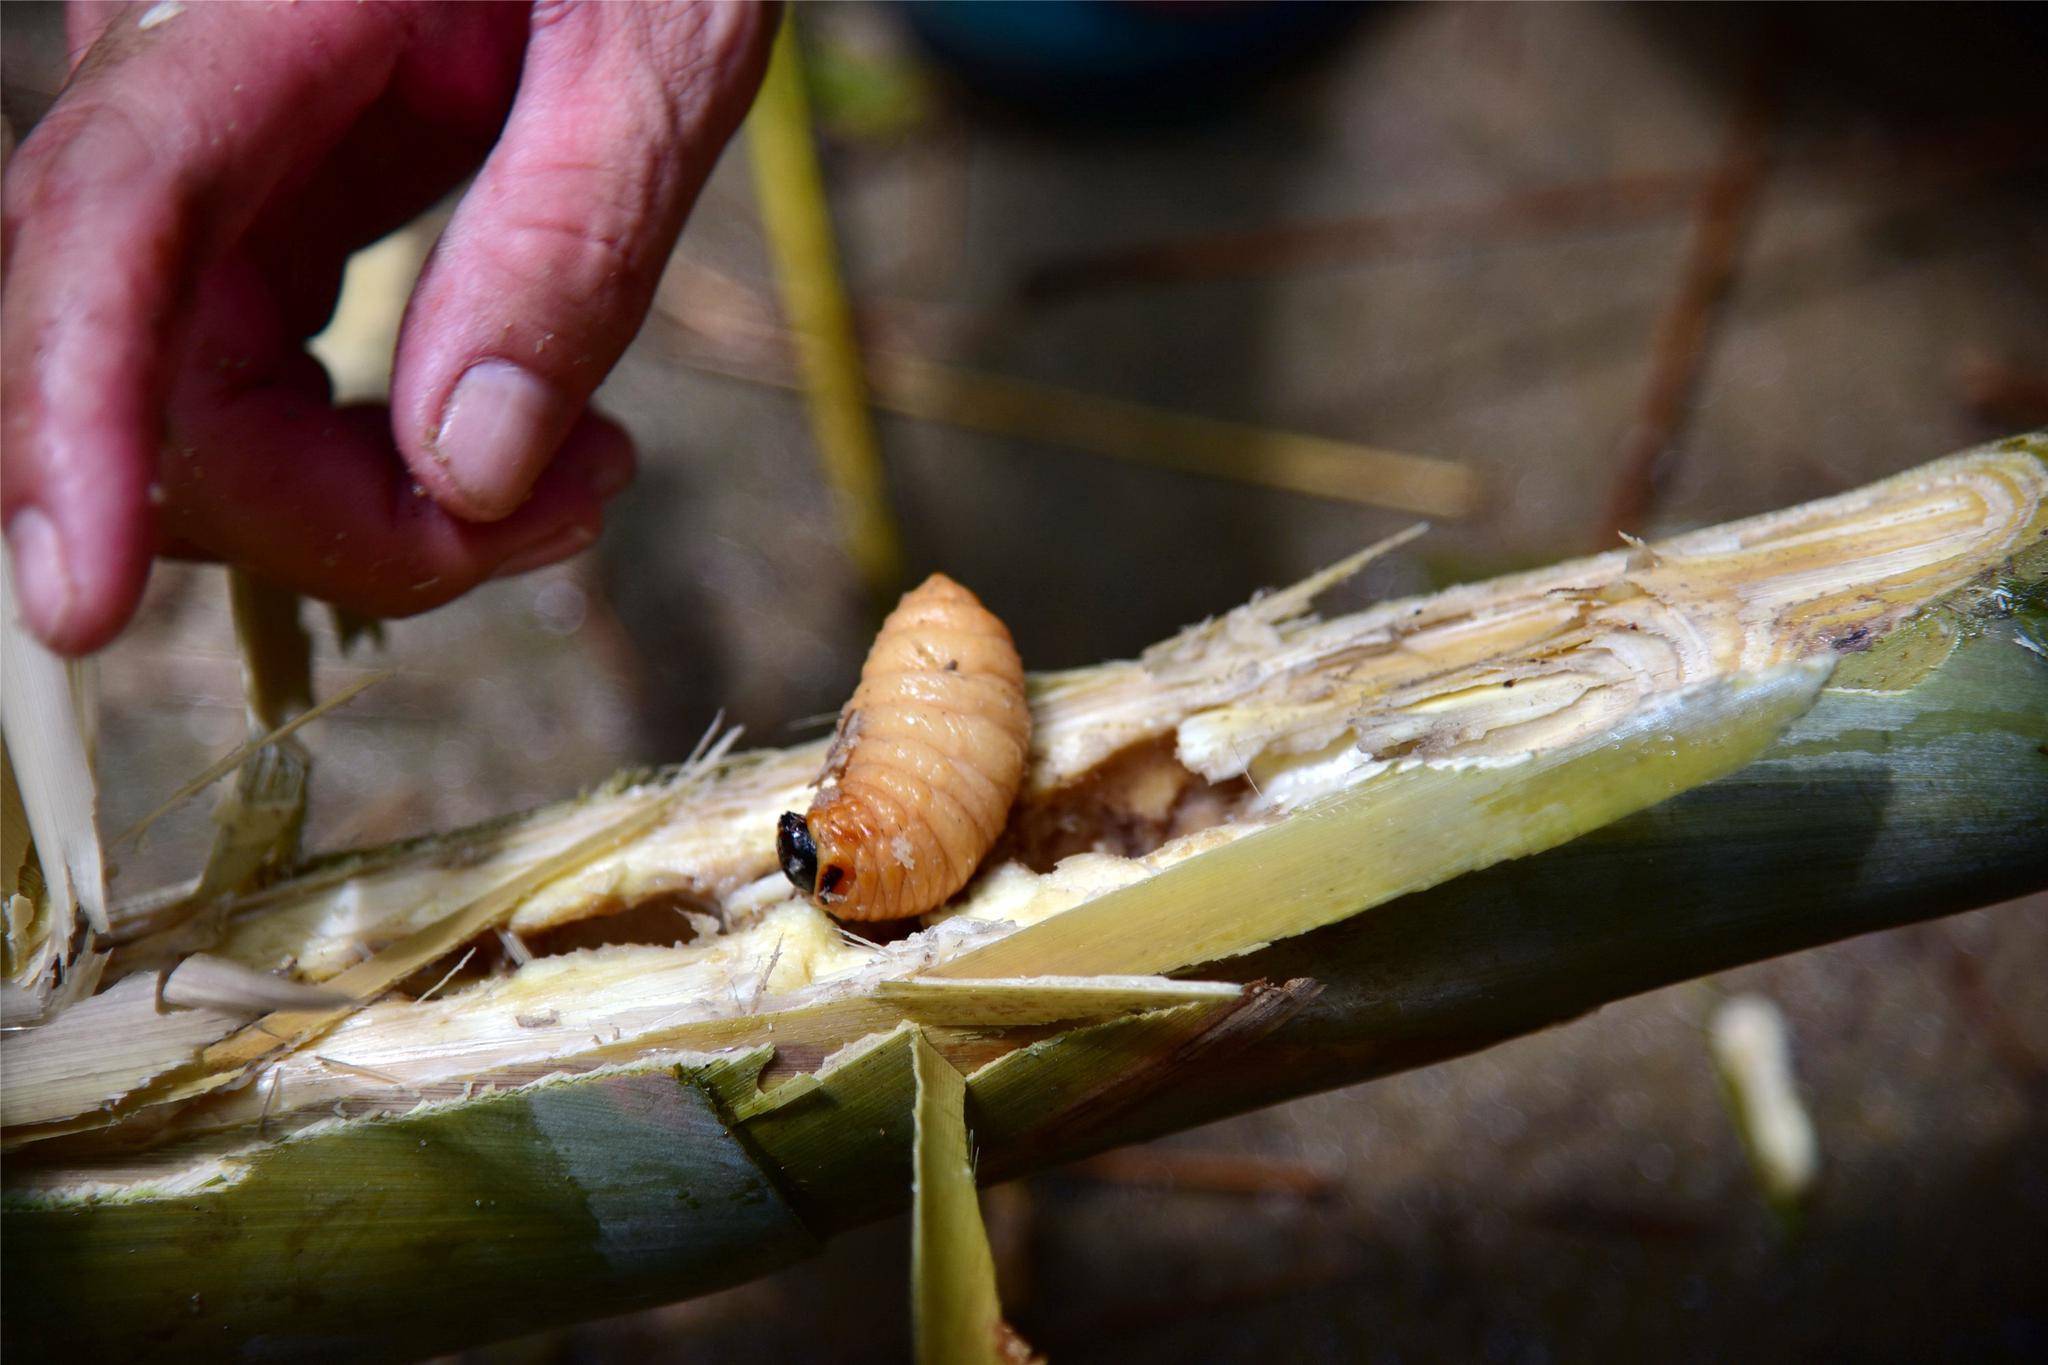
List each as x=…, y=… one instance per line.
x=166, y=141
x=350, y=526
x=260, y=470
x=548, y=266
x=424, y=136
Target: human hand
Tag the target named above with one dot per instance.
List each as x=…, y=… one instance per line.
x=176, y=228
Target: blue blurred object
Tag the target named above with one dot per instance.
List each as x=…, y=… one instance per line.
x=1136, y=60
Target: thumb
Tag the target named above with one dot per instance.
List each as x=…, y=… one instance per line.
x=548, y=266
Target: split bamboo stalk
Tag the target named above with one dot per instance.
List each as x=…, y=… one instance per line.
x=1389, y=838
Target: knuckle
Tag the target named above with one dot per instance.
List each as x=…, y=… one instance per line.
x=592, y=228
x=691, y=46
x=568, y=256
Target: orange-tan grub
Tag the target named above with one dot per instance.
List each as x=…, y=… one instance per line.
x=926, y=763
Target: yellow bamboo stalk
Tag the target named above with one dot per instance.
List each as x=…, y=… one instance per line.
x=798, y=221
x=1183, y=442
x=738, y=323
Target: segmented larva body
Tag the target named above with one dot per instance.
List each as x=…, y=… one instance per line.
x=928, y=758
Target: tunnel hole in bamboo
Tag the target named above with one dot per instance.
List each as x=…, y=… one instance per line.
x=669, y=919
x=1129, y=805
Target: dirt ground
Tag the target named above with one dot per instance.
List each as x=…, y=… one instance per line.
x=1457, y=231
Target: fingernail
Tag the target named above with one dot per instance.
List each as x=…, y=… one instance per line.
x=499, y=429
x=556, y=545
x=42, y=581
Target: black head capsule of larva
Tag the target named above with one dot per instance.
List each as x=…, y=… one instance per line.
x=799, y=855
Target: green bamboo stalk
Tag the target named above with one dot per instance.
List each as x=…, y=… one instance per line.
x=1871, y=811
x=566, y=1199
x=1912, y=788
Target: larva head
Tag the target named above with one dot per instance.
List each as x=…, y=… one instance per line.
x=798, y=852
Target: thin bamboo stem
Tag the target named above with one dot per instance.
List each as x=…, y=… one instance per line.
x=796, y=215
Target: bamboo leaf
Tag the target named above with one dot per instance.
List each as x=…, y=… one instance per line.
x=790, y=187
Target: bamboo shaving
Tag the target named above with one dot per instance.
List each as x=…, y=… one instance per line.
x=258, y=820
x=384, y=1077
x=40, y=711
x=203, y=980
x=369, y=979
x=957, y=1317
x=104, y=1047
x=430, y=992
x=515, y=947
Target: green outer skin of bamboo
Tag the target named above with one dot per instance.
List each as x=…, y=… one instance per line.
x=411, y=1235
x=1874, y=809
x=415, y=1235
x=956, y=1318
x=1870, y=812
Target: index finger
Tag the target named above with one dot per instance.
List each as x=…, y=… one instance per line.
x=163, y=146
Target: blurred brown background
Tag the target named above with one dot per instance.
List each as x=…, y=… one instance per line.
x=1652, y=268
